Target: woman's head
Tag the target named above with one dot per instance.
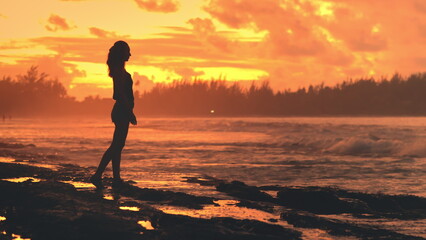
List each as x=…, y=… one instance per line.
x=118, y=54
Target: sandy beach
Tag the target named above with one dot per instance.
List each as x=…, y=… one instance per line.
x=47, y=201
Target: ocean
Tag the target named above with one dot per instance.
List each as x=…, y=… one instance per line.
x=369, y=154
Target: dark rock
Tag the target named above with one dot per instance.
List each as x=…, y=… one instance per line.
x=256, y=205
x=323, y=200
x=320, y=201
x=241, y=190
x=205, y=181
x=395, y=206
x=271, y=188
x=14, y=170
x=165, y=197
x=54, y=210
x=182, y=227
x=341, y=228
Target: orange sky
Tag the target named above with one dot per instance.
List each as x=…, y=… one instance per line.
x=293, y=43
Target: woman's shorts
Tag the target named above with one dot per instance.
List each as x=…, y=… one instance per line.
x=119, y=114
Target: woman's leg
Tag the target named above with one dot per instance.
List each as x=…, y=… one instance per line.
x=114, y=151
x=106, y=158
x=118, y=142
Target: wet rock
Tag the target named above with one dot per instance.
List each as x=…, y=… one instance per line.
x=320, y=201
x=205, y=181
x=13, y=170
x=54, y=210
x=394, y=206
x=271, y=188
x=222, y=228
x=165, y=197
x=241, y=190
x=341, y=228
x=256, y=205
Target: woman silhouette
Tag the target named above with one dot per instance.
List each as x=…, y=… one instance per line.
x=122, y=112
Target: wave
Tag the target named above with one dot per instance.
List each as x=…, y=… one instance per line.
x=417, y=149
x=275, y=136
x=314, y=146
x=362, y=146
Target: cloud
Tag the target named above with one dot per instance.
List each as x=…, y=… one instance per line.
x=288, y=31
x=290, y=24
x=164, y=6
x=420, y=6
x=187, y=73
x=296, y=42
x=326, y=40
x=205, y=31
x=95, y=49
x=16, y=44
x=57, y=23
x=300, y=28
x=103, y=33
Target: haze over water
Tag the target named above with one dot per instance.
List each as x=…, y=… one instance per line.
x=368, y=154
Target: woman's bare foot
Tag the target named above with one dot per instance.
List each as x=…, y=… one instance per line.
x=117, y=183
x=97, y=181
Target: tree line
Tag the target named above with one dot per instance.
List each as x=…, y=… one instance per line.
x=35, y=94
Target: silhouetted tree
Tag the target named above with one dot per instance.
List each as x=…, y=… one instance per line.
x=33, y=93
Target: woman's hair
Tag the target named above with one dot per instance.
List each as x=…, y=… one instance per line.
x=117, y=57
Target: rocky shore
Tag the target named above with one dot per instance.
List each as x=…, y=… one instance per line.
x=42, y=203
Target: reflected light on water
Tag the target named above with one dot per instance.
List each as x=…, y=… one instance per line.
x=7, y=160
x=22, y=179
x=226, y=202
x=2, y=218
x=165, y=184
x=80, y=184
x=318, y=234
x=108, y=197
x=226, y=208
x=17, y=237
x=42, y=165
x=146, y=224
x=27, y=162
x=134, y=209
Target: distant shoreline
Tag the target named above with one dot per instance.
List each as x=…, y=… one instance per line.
x=396, y=96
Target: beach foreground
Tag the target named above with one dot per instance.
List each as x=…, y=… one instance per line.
x=58, y=202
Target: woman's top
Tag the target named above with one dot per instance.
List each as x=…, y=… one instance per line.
x=127, y=88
